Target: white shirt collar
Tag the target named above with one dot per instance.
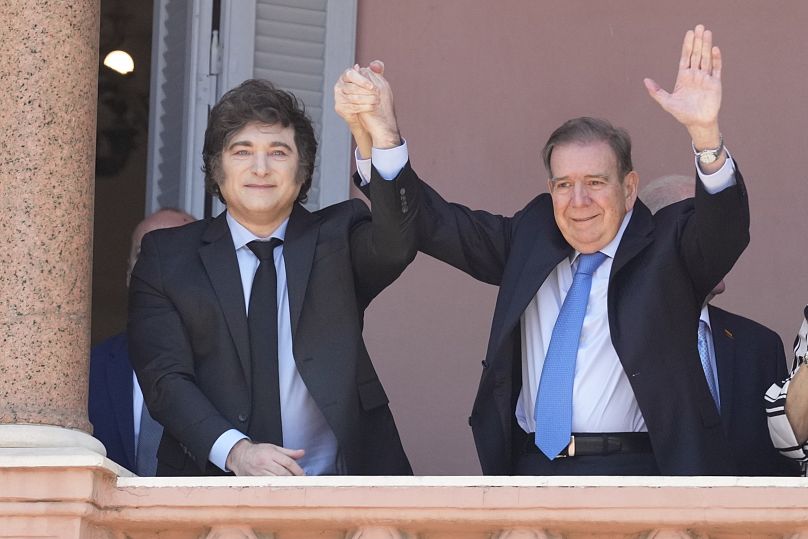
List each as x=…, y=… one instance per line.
x=705, y=316
x=242, y=236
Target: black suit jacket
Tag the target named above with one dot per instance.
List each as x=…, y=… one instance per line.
x=109, y=404
x=189, y=340
x=749, y=358
x=662, y=271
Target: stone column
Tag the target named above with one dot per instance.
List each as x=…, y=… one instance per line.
x=48, y=77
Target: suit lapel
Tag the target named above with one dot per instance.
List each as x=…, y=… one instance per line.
x=637, y=236
x=298, y=254
x=724, y=345
x=548, y=249
x=540, y=258
x=219, y=258
x=118, y=372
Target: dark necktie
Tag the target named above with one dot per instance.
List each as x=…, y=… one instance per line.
x=262, y=317
x=553, y=412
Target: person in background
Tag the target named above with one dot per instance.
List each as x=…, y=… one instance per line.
x=740, y=359
x=787, y=404
x=115, y=405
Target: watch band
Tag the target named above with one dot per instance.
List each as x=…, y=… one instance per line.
x=709, y=155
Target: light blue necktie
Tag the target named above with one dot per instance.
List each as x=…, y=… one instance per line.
x=553, y=412
x=706, y=363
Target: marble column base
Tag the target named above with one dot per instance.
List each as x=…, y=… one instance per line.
x=48, y=436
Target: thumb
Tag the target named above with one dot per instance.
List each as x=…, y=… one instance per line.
x=377, y=66
x=656, y=92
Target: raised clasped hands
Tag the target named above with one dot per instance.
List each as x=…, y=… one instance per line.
x=696, y=97
x=364, y=99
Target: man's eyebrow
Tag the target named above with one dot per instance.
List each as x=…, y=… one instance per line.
x=601, y=176
x=249, y=144
x=279, y=144
x=239, y=143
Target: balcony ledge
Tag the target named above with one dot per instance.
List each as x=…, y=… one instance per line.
x=75, y=487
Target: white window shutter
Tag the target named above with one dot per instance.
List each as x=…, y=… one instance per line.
x=183, y=87
x=290, y=52
x=335, y=138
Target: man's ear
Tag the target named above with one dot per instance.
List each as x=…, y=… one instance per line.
x=630, y=188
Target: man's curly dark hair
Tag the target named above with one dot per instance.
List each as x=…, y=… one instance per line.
x=257, y=100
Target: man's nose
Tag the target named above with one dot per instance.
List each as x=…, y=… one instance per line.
x=260, y=164
x=580, y=195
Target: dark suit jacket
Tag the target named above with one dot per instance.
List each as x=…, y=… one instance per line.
x=188, y=332
x=110, y=399
x=662, y=271
x=749, y=358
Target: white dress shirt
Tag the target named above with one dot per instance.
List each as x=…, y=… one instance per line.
x=304, y=426
x=603, y=400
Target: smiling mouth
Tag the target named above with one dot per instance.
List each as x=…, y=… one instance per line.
x=583, y=219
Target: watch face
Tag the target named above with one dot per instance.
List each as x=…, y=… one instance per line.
x=707, y=157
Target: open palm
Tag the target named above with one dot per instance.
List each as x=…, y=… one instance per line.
x=696, y=97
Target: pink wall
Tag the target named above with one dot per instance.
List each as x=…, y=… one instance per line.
x=479, y=86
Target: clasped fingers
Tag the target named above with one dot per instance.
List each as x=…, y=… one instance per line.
x=248, y=458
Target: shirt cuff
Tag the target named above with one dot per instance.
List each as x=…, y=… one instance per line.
x=719, y=180
x=387, y=162
x=222, y=446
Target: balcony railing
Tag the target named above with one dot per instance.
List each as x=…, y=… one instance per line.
x=74, y=493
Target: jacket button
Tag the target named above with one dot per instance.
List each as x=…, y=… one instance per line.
x=485, y=364
x=402, y=191
x=242, y=418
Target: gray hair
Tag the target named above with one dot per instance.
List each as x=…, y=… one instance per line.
x=667, y=190
x=585, y=130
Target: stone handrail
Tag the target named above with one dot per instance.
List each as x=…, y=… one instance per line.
x=81, y=494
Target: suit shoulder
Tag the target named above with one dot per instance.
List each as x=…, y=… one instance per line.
x=110, y=346
x=188, y=232
x=674, y=213
x=110, y=355
x=537, y=212
x=736, y=323
x=541, y=202
x=178, y=245
x=343, y=210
